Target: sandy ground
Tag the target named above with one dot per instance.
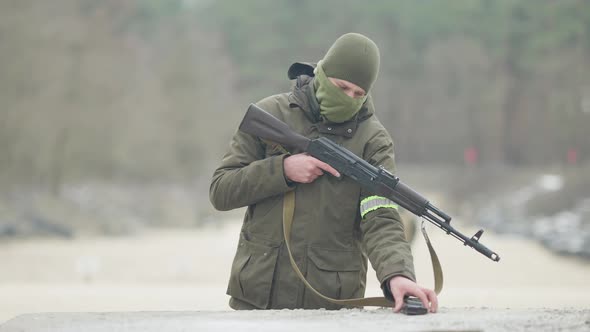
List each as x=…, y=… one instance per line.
x=187, y=270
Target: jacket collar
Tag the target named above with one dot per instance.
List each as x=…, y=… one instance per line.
x=303, y=96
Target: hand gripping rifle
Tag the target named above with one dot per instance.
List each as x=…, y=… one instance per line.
x=378, y=180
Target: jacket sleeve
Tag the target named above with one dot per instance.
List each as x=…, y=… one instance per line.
x=384, y=239
x=246, y=175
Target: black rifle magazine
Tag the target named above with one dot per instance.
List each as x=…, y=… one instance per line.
x=413, y=306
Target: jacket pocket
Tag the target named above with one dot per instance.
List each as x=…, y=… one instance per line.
x=334, y=273
x=252, y=272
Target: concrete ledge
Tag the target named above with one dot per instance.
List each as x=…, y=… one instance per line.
x=356, y=320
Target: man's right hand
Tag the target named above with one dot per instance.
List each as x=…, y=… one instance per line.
x=303, y=168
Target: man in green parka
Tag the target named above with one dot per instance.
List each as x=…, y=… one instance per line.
x=336, y=224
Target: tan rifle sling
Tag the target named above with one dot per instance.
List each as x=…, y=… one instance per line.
x=288, y=213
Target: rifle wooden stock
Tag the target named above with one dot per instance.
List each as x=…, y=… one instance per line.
x=258, y=122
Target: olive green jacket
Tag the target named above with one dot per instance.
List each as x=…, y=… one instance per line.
x=329, y=240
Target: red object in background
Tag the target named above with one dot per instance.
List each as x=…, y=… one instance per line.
x=572, y=156
x=470, y=156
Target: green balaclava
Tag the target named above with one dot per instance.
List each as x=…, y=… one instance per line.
x=354, y=58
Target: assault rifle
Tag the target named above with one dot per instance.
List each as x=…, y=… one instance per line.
x=378, y=180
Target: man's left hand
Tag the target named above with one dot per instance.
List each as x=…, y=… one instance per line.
x=401, y=286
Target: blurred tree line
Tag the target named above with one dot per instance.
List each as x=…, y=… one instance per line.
x=152, y=90
x=108, y=90
x=510, y=79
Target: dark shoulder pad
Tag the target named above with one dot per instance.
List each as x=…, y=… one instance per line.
x=301, y=68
